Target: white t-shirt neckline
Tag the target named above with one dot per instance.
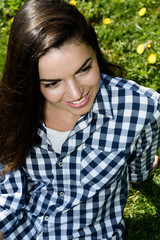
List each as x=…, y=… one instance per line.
x=57, y=139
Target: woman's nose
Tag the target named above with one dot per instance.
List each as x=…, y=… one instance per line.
x=73, y=90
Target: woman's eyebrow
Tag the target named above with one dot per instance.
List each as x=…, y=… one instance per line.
x=49, y=80
x=83, y=65
x=78, y=71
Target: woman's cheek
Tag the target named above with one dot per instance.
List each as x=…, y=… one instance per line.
x=52, y=95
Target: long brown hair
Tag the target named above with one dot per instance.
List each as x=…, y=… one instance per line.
x=38, y=26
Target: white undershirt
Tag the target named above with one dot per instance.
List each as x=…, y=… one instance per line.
x=57, y=138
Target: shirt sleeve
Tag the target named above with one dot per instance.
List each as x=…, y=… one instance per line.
x=12, y=200
x=142, y=160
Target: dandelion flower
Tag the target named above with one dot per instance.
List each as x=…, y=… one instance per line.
x=73, y=2
x=107, y=21
x=140, y=49
x=142, y=12
x=152, y=58
x=12, y=19
x=149, y=45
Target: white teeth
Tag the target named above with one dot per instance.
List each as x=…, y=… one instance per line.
x=77, y=102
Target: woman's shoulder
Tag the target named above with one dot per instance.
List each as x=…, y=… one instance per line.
x=125, y=87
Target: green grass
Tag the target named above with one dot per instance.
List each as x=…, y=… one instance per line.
x=3, y=43
x=119, y=41
x=142, y=212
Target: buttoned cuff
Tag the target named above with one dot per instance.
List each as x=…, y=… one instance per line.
x=140, y=177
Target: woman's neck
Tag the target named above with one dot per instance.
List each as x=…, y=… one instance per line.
x=60, y=121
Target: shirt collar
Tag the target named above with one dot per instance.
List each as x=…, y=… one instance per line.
x=102, y=104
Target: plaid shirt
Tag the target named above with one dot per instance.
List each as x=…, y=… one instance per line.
x=81, y=193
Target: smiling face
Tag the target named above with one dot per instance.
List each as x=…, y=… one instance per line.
x=69, y=80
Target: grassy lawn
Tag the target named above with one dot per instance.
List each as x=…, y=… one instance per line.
x=3, y=43
x=142, y=211
x=131, y=39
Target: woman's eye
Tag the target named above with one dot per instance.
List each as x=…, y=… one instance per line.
x=86, y=68
x=51, y=84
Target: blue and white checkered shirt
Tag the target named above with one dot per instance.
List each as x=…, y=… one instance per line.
x=81, y=193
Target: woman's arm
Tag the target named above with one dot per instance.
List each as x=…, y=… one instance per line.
x=1, y=235
x=144, y=157
x=156, y=160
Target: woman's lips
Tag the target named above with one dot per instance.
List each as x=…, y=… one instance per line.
x=80, y=103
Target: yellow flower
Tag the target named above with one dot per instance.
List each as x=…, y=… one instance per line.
x=73, y=2
x=149, y=45
x=152, y=58
x=140, y=49
x=12, y=19
x=142, y=12
x=107, y=21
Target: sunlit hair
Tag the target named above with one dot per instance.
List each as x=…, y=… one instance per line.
x=38, y=27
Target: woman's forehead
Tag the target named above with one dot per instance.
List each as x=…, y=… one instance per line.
x=67, y=59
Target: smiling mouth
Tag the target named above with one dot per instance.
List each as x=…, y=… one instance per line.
x=80, y=101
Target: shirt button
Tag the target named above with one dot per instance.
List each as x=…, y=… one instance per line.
x=46, y=218
x=61, y=194
x=60, y=164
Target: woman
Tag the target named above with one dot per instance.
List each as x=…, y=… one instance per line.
x=75, y=134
